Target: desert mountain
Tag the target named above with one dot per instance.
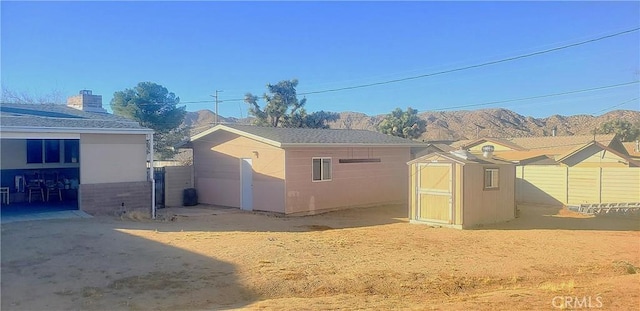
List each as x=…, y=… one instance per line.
x=455, y=125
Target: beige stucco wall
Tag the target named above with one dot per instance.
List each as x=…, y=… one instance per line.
x=352, y=184
x=217, y=171
x=13, y=153
x=111, y=158
x=487, y=206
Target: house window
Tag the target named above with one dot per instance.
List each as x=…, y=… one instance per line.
x=321, y=169
x=34, y=150
x=71, y=151
x=51, y=151
x=491, y=178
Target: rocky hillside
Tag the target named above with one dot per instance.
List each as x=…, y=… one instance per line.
x=455, y=125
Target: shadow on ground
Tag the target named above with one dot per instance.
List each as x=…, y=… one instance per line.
x=99, y=267
x=554, y=217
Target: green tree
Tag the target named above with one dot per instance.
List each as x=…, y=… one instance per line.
x=626, y=130
x=283, y=109
x=404, y=124
x=154, y=107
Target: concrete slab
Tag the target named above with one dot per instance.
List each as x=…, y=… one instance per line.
x=44, y=216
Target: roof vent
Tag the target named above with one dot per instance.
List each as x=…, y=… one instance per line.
x=463, y=154
x=487, y=151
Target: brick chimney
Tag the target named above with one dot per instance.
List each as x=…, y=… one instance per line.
x=86, y=101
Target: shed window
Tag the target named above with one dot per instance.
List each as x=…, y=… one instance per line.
x=321, y=169
x=491, y=178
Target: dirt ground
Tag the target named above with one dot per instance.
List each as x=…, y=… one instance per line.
x=212, y=259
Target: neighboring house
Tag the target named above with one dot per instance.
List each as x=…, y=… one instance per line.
x=461, y=190
x=299, y=170
x=633, y=149
x=572, y=151
x=562, y=170
x=97, y=160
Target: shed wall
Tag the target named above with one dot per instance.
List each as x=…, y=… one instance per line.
x=488, y=206
x=352, y=184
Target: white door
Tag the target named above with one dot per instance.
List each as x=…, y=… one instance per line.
x=246, y=184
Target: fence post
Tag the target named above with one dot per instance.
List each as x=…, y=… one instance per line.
x=566, y=184
x=600, y=185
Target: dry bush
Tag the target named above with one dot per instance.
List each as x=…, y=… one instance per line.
x=305, y=283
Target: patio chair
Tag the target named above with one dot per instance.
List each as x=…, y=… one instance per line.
x=34, y=185
x=51, y=185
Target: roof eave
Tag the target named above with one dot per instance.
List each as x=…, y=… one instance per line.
x=18, y=129
x=221, y=127
x=329, y=145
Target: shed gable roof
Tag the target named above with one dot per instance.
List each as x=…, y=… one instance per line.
x=307, y=137
x=50, y=117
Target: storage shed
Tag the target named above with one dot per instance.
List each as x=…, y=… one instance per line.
x=460, y=190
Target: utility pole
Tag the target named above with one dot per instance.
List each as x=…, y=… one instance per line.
x=215, y=122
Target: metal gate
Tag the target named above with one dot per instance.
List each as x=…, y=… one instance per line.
x=159, y=176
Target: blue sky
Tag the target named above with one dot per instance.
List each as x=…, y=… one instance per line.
x=195, y=48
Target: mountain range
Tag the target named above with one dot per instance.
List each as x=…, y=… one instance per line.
x=456, y=125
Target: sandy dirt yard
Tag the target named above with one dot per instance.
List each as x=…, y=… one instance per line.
x=211, y=259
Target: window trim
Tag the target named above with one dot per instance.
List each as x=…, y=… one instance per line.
x=322, y=177
x=494, y=172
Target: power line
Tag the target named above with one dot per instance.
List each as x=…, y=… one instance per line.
x=537, y=97
x=450, y=70
x=472, y=66
x=618, y=105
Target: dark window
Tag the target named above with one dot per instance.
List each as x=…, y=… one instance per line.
x=71, y=151
x=51, y=151
x=34, y=150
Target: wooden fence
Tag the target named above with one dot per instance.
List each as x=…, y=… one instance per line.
x=556, y=185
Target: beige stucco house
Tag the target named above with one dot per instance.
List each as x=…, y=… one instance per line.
x=461, y=190
x=97, y=161
x=297, y=170
x=571, y=151
x=567, y=170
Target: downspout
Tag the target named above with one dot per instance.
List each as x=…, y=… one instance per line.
x=152, y=177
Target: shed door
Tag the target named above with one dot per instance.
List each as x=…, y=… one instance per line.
x=435, y=189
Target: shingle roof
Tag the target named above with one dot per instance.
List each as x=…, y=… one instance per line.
x=60, y=117
x=286, y=137
x=540, y=142
x=568, y=142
